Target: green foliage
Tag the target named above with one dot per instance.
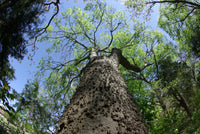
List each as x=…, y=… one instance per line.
x=15, y=24
x=41, y=106
x=167, y=91
x=181, y=22
x=86, y=28
x=34, y=113
x=145, y=100
x=6, y=75
x=136, y=6
x=174, y=75
x=9, y=122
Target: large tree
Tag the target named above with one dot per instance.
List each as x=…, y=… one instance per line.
x=102, y=102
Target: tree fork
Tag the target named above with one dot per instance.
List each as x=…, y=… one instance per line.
x=102, y=102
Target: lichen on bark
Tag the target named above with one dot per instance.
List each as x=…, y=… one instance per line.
x=102, y=103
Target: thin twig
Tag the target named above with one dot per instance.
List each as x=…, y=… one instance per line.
x=111, y=34
x=43, y=30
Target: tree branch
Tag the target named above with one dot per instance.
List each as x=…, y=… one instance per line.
x=125, y=63
x=97, y=27
x=57, y=10
x=84, y=58
x=88, y=37
x=187, y=15
x=156, y=63
x=195, y=5
x=43, y=30
x=85, y=32
x=142, y=77
x=111, y=34
x=76, y=41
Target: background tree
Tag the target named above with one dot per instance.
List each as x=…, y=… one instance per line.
x=34, y=113
x=19, y=22
x=177, y=73
x=180, y=19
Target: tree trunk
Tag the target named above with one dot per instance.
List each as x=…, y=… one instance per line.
x=102, y=103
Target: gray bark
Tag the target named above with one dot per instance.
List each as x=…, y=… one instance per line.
x=102, y=103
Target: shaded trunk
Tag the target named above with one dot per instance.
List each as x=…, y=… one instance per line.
x=182, y=102
x=102, y=103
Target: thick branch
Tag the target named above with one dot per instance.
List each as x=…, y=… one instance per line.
x=57, y=10
x=125, y=63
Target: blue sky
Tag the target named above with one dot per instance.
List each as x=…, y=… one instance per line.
x=26, y=69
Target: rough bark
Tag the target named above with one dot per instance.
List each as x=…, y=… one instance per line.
x=102, y=103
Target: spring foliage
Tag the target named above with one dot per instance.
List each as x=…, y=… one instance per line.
x=167, y=91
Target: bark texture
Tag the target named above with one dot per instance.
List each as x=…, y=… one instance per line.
x=102, y=103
